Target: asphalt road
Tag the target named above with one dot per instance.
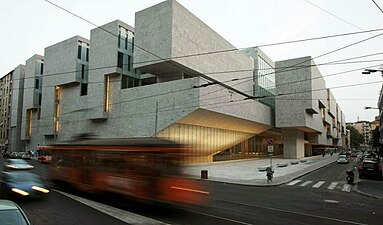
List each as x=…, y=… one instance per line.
x=230, y=204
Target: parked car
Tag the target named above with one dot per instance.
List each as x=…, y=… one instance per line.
x=17, y=164
x=14, y=155
x=22, y=184
x=342, y=159
x=11, y=213
x=370, y=168
x=353, y=154
x=6, y=154
x=26, y=155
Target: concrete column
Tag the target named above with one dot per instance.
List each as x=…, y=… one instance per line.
x=293, y=145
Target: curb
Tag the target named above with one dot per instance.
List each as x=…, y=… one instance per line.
x=366, y=194
x=222, y=180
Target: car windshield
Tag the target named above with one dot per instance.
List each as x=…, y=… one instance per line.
x=23, y=177
x=370, y=165
x=12, y=217
x=342, y=157
x=16, y=161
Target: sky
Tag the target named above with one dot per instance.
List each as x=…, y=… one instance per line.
x=29, y=26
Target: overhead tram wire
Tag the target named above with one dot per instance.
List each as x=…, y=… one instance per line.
x=201, y=75
x=377, y=6
x=220, y=104
x=218, y=51
x=309, y=60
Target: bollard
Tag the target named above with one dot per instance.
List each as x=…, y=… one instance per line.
x=203, y=174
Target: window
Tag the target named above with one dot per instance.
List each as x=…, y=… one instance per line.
x=129, y=82
x=82, y=72
x=120, y=60
x=37, y=83
x=84, y=89
x=124, y=82
x=119, y=38
x=41, y=68
x=87, y=55
x=129, y=61
x=132, y=44
x=79, y=51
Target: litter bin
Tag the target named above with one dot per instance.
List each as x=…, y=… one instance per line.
x=203, y=174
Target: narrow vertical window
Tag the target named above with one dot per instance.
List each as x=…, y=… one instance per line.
x=79, y=52
x=82, y=71
x=132, y=44
x=29, y=123
x=120, y=60
x=106, y=94
x=119, y=38
x=87, y=55
x=129, y=61
x=41, y=68
x=84, y=89
x=37, y=83
x=124, y=82
x=56, y=117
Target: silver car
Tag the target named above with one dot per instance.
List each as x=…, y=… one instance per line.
x=342, y=159
x=11, y=213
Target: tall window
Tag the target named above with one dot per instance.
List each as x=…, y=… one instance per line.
x=56, y=117
x=106, y=93
x=79, y=51
x=29, y=123
x=120, y=60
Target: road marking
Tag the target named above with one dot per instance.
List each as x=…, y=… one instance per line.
x=306, y=183
x=332, y=185
x=348, y=222
x=320, y=183
x=120, y=214
x=294, y=182
x=331, y=201
x=346, y=188
x=218, y=217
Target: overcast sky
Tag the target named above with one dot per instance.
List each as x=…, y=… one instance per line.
x=28, y=26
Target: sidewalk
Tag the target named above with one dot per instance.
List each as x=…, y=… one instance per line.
x=247, y=172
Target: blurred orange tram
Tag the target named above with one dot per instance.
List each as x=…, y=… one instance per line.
x=148, y=169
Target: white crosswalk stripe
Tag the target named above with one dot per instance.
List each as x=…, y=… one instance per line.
x=306, y=183
x=346, y=188
x=332, y=185
x=294, y=182
x=320, y=183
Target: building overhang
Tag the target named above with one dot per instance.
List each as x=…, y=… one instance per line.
x=202, y=117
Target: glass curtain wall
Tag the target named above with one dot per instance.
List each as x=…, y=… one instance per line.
x=265, y=82
x=204, y=141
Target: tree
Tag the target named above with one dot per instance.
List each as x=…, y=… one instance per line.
x=356, y=137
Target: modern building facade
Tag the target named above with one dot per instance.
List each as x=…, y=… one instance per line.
x=162, y=78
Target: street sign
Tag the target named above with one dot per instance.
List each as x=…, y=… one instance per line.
x=270, y=141
x=270, y=149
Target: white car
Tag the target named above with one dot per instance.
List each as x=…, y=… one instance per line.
x=17, y=164
x=342, y=159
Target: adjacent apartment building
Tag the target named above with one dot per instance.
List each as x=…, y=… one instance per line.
x=176, y=78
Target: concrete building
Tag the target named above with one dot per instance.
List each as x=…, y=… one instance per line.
x=31, y=110
x=305, y=109
x=12, y=90
x=164, y=79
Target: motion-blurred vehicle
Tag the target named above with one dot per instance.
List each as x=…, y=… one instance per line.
x=26, y=155
x=17, y=164
x=12, y=214
x=370, y=168
x=342, y=159
x=353, y=154
x=43, y=156
x=14, y=155
x=144, y=169
x=6, y=154
x=21, y=184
